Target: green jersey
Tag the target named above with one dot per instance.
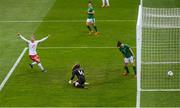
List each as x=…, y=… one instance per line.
x=90, y=16
x=125, y=50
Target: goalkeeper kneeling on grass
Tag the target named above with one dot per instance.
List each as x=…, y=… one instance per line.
x=79, y=72
x=128, y=57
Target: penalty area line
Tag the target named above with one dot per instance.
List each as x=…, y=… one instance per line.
x=12, y=69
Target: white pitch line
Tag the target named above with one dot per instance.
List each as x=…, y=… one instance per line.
x=60, y=21
x=79, y=47
x=147, y=63
x=157, y=90
x=12, y=69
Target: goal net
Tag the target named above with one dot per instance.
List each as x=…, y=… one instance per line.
x=158, y=36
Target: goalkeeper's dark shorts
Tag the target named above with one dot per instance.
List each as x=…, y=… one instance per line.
x=80, y=82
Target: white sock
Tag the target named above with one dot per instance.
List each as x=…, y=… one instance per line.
x=103, y=2
x=107, y=2
x=40, y=66
x=33, y=63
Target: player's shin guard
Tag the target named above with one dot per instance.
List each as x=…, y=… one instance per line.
x=95, y=28
x=134, y=68
x=89, y=28
x=126, y=68
x=40, y=66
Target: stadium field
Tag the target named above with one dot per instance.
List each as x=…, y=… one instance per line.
x=65, y=21
x=68, y=44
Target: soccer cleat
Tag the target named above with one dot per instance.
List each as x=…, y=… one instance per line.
x=31, y=66
x=86, y=83
x=44, y=71
x=102, y=6
x=125, y=74
x=90, y=32
x=97, y=33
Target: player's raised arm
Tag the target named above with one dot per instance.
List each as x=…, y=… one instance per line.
x=42, y=40
x=23, y=38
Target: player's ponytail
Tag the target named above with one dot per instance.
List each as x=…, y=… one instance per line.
x=76, y=66
x=119, y=43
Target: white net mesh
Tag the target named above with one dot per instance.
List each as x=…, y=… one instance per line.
x=160, y=48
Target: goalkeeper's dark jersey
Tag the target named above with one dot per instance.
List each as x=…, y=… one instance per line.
x=125, y=50
x=80, y=75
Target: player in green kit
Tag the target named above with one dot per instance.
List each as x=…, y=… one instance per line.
x=90, y=22
x=128, y=57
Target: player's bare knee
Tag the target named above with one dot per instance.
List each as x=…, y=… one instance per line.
x=87, y=24
x=133, y=64
x=125, y=64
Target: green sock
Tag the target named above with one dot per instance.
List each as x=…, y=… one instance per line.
x=95, y=28
x=134, y=68
x=126, y=68
x=89, y=28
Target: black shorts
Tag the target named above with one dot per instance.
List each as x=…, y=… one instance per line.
x=81, y=80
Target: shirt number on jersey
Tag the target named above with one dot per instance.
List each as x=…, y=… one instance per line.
x=80, y=72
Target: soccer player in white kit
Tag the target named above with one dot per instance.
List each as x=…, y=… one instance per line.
x=105, y=3
x=32, y=44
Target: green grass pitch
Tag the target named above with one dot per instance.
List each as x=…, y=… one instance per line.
x=103, y=67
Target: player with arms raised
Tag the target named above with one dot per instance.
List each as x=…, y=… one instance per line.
x=90, y=22
x=32, y=44
x=128, y=57
x=79, y=72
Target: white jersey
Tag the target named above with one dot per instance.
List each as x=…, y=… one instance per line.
x=33, y=45
x=32, y=48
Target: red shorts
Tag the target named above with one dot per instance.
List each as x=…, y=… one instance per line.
x=35, y=58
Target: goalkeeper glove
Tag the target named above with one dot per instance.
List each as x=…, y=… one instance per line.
x=70, y=81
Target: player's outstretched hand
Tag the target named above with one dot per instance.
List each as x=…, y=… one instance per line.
x=70, y=81
x=48, y=35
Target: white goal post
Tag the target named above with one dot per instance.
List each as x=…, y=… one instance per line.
x=138, y=55
x=158, y=50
